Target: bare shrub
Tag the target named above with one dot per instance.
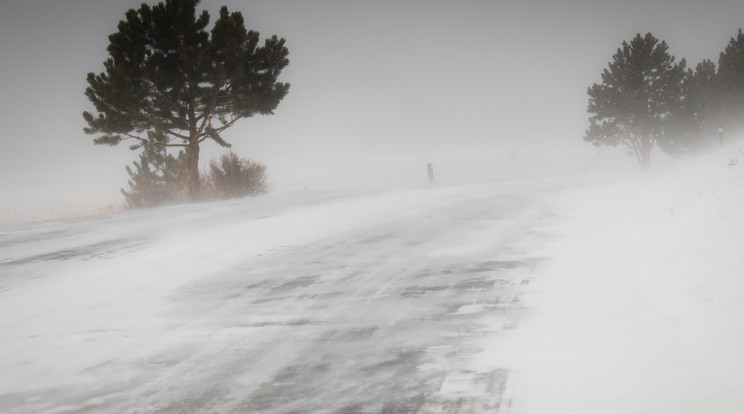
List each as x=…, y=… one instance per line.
x=159, y=179
x=234, y=177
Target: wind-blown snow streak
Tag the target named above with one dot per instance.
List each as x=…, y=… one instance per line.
x=641, y=309
x=621, y=297
x=309, y=302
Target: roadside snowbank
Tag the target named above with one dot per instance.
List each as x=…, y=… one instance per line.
x=642, y=308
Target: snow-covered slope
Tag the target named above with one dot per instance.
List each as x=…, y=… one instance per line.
x=535, y=295
x=641, y=309
x=304, y=302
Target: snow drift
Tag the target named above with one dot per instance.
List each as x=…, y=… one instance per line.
x=628, y=298
x=641, y=309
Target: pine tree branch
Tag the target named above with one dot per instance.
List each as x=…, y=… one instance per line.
x=228, y=125
x=150, y=142
x=177, y=135
x=130, y=136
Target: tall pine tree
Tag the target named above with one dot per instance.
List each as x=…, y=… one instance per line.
x=169, y=82
x=634, y=105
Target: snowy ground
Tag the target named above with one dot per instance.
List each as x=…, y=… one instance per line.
x=641, y=308
x=519, y=296
x=308, y=302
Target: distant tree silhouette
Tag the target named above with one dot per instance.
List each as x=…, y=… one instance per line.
x=641, y=90
x=731, y=84
x=697, y=122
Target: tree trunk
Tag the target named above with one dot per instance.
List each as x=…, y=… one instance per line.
x=644, y=155
x=645, y=159
x=193, y=170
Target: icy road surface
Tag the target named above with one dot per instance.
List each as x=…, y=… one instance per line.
x=295, y=303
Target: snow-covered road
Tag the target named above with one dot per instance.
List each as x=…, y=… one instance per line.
x=521, y=296
x=308, y=302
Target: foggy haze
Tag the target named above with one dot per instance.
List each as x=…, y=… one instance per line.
x=379, y=89
x=553, y=277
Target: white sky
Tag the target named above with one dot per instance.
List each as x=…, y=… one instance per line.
x=378, y=87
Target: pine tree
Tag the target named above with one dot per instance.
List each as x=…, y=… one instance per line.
x=634, y=105
x=158, y=178
x=169, y=82
x=731, y=83
x=697, y=122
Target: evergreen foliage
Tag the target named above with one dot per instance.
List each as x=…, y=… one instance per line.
x=731, y=84
x=698, y=121
x=157, y=178
x=635, y=104
x=168, y=82
x=160, y=179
